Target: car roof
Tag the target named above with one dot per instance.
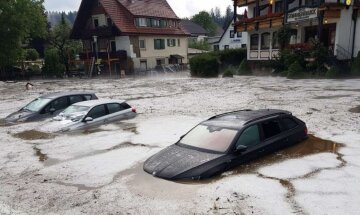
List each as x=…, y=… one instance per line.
x=92, y=103
x=60, y=94
x=237, y=119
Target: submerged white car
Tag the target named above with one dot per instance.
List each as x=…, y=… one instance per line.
x=88, y=114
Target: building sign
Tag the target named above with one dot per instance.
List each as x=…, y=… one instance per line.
x=302, y=14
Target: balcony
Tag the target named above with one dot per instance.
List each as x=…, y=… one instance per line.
x=104, y=55
x=103, y=31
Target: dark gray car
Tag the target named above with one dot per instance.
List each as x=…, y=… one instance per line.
x=47, y=106
x=226, y=141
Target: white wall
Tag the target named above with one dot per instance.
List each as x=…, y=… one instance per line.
x=344, y=30
x=123, y=43
x=233, y=43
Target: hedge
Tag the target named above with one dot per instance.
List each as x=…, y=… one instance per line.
x=204, y=65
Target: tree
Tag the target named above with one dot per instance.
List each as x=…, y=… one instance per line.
x=59, y=39
x=229, y=16
x=19, y=21
x=204, y=19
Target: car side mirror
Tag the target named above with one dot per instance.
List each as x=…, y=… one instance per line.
x=52, y=110
x=240, y=148
x=88, y=119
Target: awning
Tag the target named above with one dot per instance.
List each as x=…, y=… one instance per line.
x=176, y=56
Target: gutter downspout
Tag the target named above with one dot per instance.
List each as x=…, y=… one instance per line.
x=354, y=17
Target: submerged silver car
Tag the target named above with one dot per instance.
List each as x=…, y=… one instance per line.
x=88, y=114
x=48, y=106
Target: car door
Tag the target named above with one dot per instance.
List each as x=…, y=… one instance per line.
x=251, y=138
x=272, y=135
x=116, y=112
x=98, y=114
x=292, y=129
x=58, y=105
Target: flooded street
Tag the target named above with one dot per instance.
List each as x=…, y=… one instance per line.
x=99, y=171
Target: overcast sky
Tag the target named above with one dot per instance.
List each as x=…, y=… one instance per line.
x=182, y=8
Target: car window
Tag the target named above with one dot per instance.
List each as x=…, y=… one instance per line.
x=97, y=112
x=87, y=97
x=125, y=105
x=289, y=123
x=57, y=104
x=114, y=107
x=271, y=128
x=75, y=99
x=249, y=137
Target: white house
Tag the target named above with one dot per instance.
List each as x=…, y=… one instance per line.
x=231, y=39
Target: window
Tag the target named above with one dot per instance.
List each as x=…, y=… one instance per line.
x=278, y=6
x=289, y=123
x=58, y=104
x=142, y=44
x=109, y=22
x=216, y=48
x=163, y=23
x=275, y=42
x=232, y=34
x=159, y=44
x=239, y=34
x=87, y=97
x=75, y=99
x=226, y=47
x=254, y=42
x=155, y=23
x=171, y=42
x=96, y=22
x=249, y=137
x=115, y=107
x=179, y=42
x=141, y=22
x=265, y=40
x=271, y=128
x=125, y=105
x=112, y=46
x=97, y=112
x=160, y=62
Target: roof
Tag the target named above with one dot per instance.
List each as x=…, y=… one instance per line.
x=123, y=13
x=238, y=119
x=151, y=8
x=60, y=94
x=231, y=24
x=91, y=103
x=193, y=28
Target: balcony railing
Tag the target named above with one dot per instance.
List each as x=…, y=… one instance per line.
x=104, y=55
x=103, y=31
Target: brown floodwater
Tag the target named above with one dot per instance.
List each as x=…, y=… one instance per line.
x=355, y=109
x=33, y=135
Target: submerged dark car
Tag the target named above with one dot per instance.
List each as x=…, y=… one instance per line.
x=47, y=106
x=226, y=141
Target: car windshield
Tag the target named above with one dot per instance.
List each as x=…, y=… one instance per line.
x=210, y=137
x=36, y=104
x=73, y=112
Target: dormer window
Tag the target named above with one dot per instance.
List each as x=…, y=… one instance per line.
x=141, y=22
x=96, y=22
x=155, y=23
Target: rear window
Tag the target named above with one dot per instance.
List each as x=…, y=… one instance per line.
x=75, y=99
x=271, y=128
x=125, y=105
x=289, y=123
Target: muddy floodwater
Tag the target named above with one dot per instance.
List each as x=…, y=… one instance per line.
x=100, y=170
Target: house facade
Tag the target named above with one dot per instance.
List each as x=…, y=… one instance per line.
x=231, y=39
x=335, y=23
x=130, y=34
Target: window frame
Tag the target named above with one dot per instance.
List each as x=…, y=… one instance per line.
x=105, y=108
x=232, y=34
x=171, y=42
x=162, y=44
x=245, y=129
x=263, y=131
x=264, y=46
x=251, y=41
x=144, y=47
x=108, y=109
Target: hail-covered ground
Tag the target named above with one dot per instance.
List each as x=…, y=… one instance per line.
x=100, y=171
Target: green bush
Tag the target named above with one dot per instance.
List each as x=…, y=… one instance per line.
x=229, y=73
x=244, y=68
x=31, y=54
x=333, y=72
x=295, y=70
x=52, y=66
x=232, y=56
x=204, y=65
x=355, y=68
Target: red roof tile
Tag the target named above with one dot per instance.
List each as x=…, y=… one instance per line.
x=153, y=8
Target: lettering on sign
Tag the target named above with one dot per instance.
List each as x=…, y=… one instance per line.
x=302, y=14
